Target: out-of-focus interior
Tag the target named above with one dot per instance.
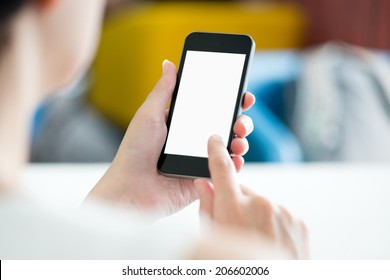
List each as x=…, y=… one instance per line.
x=321, y=76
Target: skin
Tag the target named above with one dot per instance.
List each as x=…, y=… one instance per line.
x=46, y=51
x=228, y=204
x=136, y=161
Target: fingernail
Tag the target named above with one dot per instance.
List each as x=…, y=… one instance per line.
x=216, y=138
x=248, y=124
x=164, y=65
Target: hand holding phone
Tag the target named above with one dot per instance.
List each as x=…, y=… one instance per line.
x=206, y=100
x=133, y=180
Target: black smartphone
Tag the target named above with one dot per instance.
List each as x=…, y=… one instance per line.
x=211, y=81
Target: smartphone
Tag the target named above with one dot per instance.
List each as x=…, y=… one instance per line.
x=211, y=81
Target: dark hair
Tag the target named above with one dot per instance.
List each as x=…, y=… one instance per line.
x=7, y=9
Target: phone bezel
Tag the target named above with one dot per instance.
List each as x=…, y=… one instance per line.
x=195, y=167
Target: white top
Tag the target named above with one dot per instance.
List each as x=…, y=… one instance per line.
x=32, y=230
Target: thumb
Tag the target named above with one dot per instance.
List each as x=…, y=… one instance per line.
x=206, y=196
x=158, y=99
x=147, y=131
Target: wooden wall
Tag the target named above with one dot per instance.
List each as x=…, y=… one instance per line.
x=360, y=22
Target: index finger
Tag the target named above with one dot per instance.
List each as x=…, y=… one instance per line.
x=222, y=170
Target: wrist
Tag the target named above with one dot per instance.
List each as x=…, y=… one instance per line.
x=115, y=188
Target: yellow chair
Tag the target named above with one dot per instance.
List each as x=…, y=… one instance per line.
x=136, y=41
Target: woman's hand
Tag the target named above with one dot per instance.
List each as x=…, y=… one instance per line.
x=133, y=179
x=230, y=205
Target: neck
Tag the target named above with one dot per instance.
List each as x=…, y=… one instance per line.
x=19, y=88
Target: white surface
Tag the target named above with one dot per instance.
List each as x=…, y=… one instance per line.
x=210, y=81
x=346, y=207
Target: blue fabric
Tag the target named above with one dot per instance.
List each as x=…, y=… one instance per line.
x=38, y=119
x=272, y=141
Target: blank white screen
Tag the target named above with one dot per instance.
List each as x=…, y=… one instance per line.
x=205, y=102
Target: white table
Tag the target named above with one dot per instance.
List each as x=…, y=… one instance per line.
x=345, y=206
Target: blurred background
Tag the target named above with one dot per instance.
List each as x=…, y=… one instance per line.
x=321, y=76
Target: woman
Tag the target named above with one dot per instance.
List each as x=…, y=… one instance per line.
x=43, y=45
